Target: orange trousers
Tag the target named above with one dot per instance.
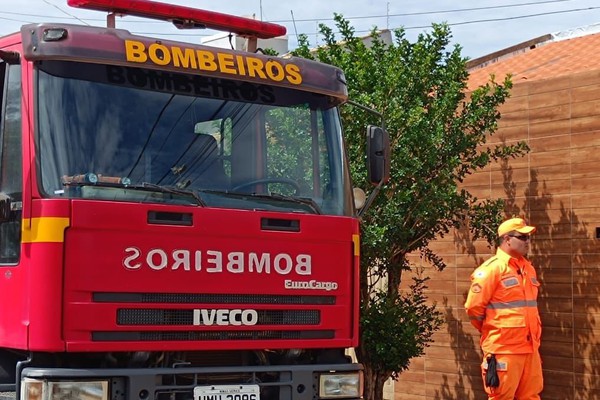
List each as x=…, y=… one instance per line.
x=520, y=377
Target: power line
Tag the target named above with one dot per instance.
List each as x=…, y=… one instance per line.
x=74, y=17
x=509, y=18
x=323, y=19
x=15, y=20
x=430, y=12
x=65, y=12
x=360, y=17
x=428, y=26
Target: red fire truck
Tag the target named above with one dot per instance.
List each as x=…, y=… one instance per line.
x=177, y=222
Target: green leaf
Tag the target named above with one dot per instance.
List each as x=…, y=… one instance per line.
x=438, y=137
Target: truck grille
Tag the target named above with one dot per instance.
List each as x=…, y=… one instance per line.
x=206, y=298
x=213, y=317
x=210, y=335
x=186, y=317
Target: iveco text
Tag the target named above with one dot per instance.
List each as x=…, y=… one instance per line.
x=225, y=317
x=213, y=261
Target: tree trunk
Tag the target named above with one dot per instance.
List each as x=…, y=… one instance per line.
x=374, y=382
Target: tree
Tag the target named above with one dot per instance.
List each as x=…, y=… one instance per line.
x=438, y=137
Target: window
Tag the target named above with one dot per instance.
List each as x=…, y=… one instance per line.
x=279, y=152
x=11, y=182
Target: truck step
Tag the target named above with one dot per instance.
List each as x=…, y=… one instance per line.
x=7, y=396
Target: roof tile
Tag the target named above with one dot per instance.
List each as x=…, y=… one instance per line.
x=550, y=60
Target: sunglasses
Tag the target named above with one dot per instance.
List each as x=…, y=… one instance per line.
x=523, y=238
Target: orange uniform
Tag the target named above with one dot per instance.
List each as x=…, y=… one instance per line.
x=502, y=305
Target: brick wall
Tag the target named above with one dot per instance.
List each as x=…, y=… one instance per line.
x=557, y=188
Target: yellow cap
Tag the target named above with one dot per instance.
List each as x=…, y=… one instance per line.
x=515, y=224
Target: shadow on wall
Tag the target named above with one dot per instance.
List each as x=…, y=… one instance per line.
x=465, y=345
x=467, y=355
x=569, y=301
x=586, y=310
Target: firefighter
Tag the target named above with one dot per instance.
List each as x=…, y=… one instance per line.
x=502, y=305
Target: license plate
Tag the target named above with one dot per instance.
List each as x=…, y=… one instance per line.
x=227, y=392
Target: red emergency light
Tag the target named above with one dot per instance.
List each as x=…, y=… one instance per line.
x=183, y=16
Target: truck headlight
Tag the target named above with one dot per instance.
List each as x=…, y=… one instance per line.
x=34, y=389
x=341, y=385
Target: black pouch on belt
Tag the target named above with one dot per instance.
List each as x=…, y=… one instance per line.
x=491, y=375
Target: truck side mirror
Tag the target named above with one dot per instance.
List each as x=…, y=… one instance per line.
x=4, y=207
x=378, y=155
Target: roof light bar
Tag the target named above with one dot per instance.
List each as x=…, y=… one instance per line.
x=183, y=16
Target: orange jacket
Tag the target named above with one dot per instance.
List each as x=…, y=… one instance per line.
x=502, y=305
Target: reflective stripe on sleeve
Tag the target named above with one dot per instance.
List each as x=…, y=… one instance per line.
x=477, y=317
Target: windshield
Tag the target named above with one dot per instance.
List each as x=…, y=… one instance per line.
x=128, y=134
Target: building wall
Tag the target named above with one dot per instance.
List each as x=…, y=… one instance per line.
x=556, y=186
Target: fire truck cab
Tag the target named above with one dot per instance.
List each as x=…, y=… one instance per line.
x=176, y=221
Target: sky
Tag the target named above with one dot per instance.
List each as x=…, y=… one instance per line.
x=479, y=26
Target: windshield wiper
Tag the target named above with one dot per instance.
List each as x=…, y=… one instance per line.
x=148, y=187
x=168, y=189
x=297, y=200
